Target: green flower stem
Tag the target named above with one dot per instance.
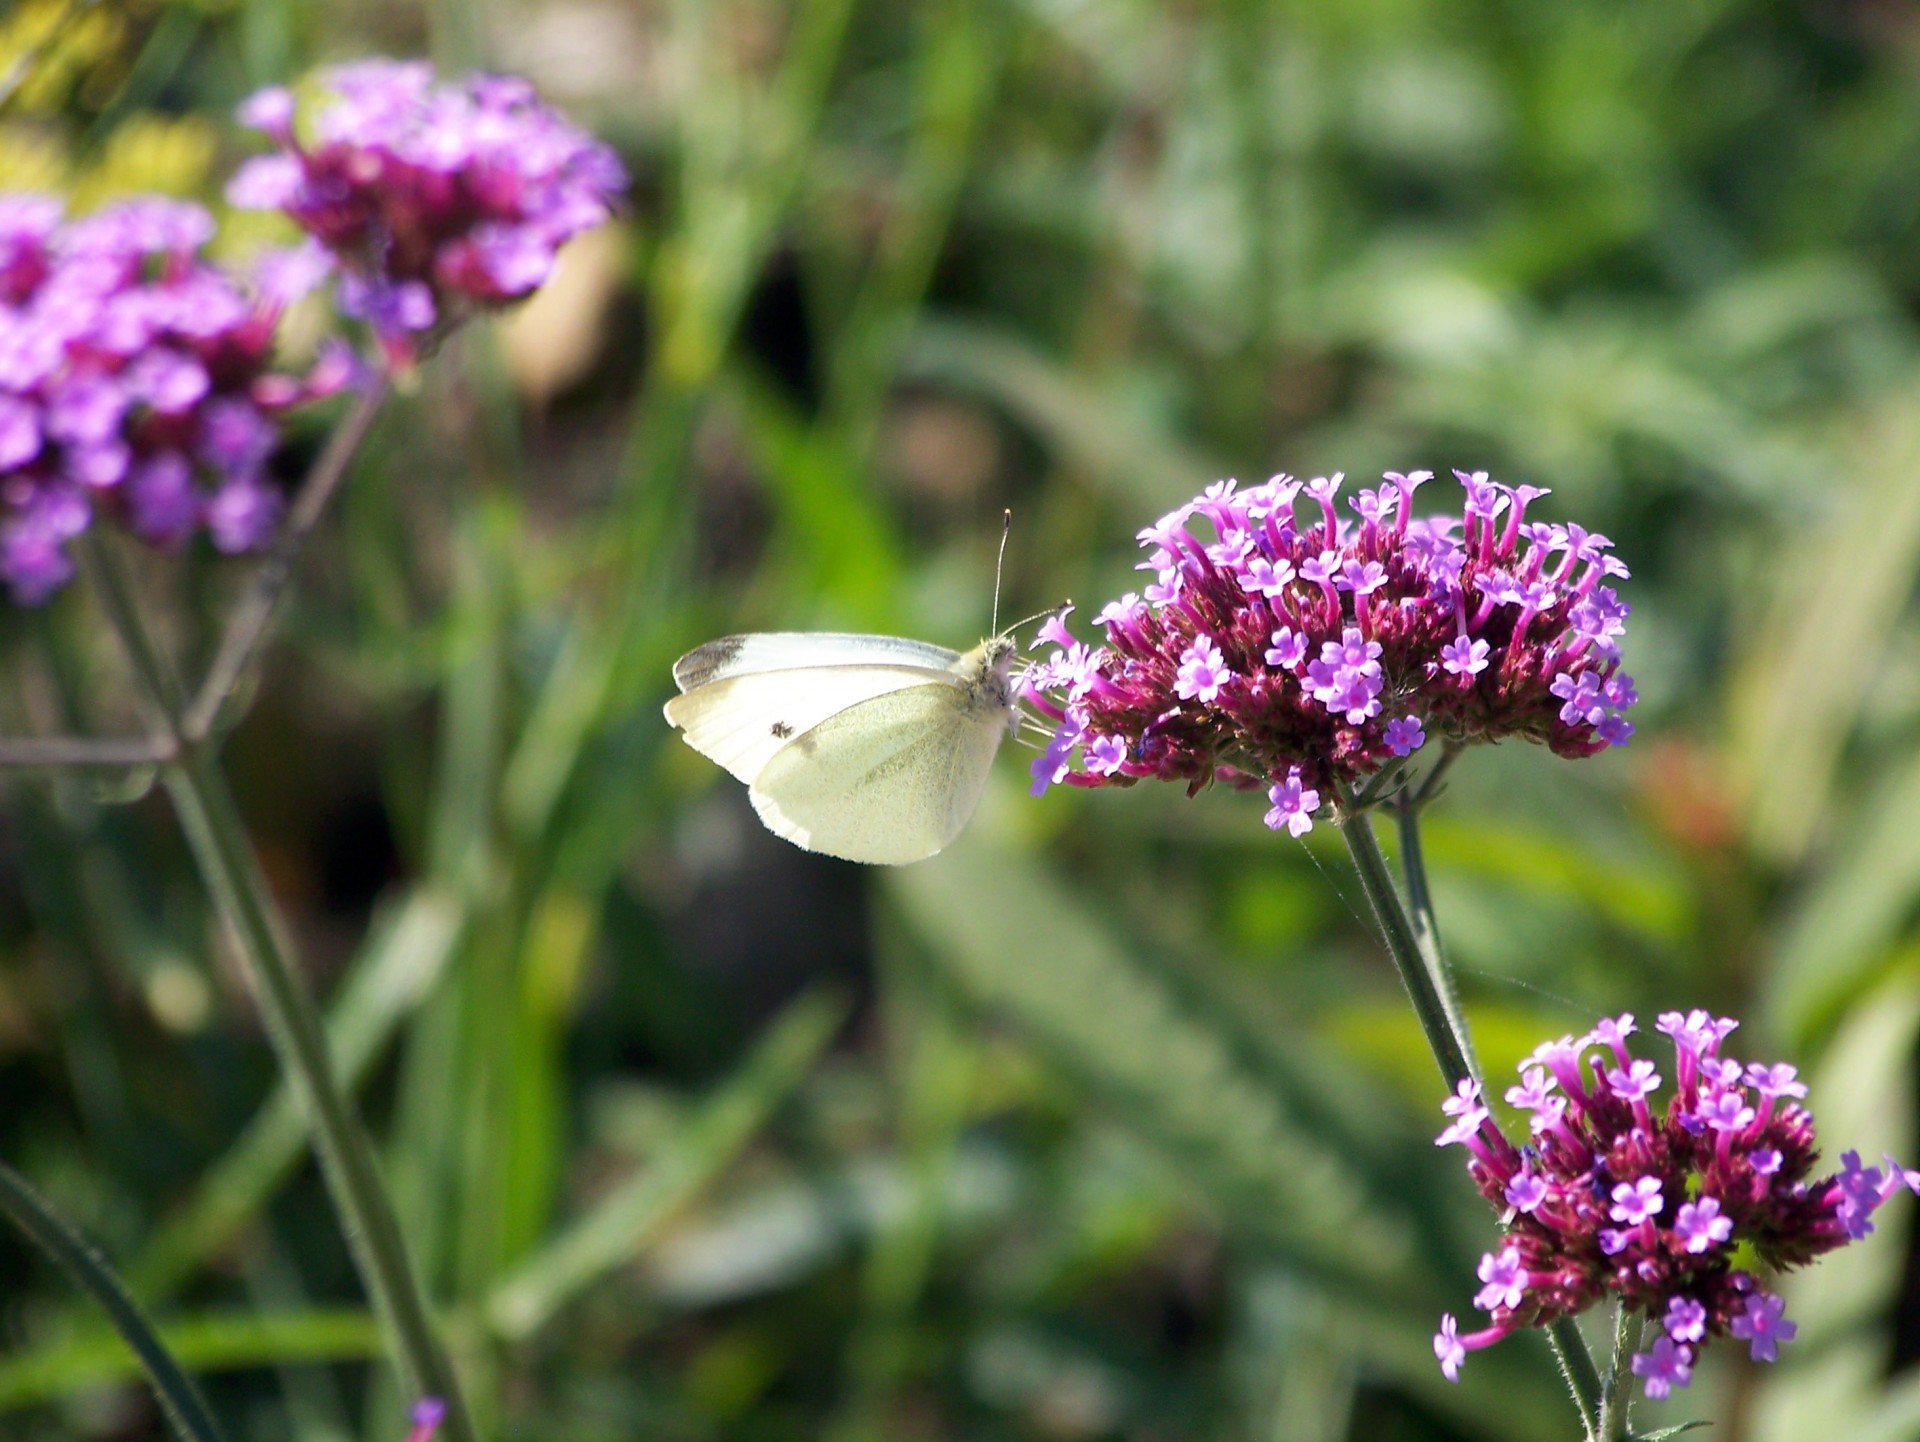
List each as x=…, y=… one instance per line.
x=1576, y=1367
x=1616, y=1398
x=1413, y=941
x=247, y=627
x=80, y=752
x=232, y=874
x=185, y=1409
x=1428, y=987
x=1426, y=932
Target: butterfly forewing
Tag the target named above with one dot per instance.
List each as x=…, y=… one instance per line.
x=744, y=719
x=800, y=650
x=888, y=781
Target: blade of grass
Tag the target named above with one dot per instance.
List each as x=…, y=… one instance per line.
x=1099, y=436
x=623, y=1222
x=209, y=1342
x=743, y=147
x=1798, y=695
x=937, y=1072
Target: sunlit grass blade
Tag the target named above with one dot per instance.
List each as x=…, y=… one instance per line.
x=712, y=1137
x=207, y=1342
x=1798, y=694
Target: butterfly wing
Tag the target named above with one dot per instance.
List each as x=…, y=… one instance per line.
x=743, y=719
x=888, y=781
x=801, y=650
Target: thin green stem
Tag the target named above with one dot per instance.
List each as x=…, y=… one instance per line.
x=232, y=874
x=1426, y=930
x=185, y=1409
x=247, y=626
x=1436, y=778
x=1576, y=1367
x=79, y=752
x=1446, y=1035
x=1615, y=1397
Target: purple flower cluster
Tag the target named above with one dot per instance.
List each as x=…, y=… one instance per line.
x=1676, y=1212
x=433, y=198
x=1294, y=652
x=426, y=1418
x=135, y=382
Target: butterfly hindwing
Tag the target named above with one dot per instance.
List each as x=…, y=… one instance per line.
x=891, y=780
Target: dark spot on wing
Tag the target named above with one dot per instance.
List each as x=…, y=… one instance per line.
x=698, y=666
x=781, y=730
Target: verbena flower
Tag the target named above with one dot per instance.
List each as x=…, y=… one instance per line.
x=1679, y=1212
x=1282, y=643
x=427, y=1416
x=135, y=383
x=433, y=198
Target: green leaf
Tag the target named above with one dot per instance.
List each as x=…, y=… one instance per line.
x=1275, y=1157
x=1021, y=945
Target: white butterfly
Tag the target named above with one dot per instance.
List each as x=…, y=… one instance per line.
x=872, y=748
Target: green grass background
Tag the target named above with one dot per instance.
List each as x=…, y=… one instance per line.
x=1111, y=1122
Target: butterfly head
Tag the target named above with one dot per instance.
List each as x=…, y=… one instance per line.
x=985, y=672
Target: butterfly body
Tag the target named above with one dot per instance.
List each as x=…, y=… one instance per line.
x=871, y=748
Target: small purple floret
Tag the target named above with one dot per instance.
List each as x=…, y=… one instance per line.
x=1763, y=1324
x=1293, y=805
x=1667, y=1367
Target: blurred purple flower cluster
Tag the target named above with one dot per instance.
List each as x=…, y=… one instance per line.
x=135, y=375
x=1293, y=651
x=433, y=198
x=1676, y=1212
x=135, y=383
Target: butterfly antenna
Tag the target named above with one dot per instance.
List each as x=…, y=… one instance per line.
x=1058, y=610
x=999, y=563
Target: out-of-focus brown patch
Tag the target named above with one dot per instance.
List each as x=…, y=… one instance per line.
x=941, y=449
x=552, y=341
x=1683, y=787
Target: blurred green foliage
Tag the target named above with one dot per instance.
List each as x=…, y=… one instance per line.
x=1110, y=1123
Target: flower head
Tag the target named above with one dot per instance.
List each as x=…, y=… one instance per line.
x=1280, y=638
x=427, y=1416
x=1675, y=1210
x=136, y=383
x=434, y=198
